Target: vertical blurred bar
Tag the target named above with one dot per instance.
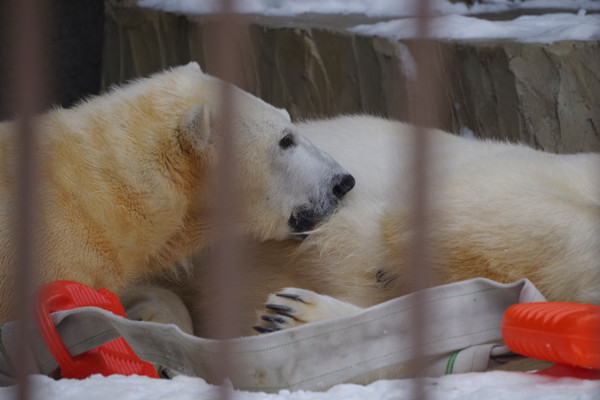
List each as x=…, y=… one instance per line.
x=27, y=94
x=421, y=247
x=223, y=62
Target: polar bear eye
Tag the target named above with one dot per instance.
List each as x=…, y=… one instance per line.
x=287, y=141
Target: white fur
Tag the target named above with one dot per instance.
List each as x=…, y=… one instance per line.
x=484, y=193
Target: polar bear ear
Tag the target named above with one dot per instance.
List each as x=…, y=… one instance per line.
x=194, y=66
x=285, y=113
x=196, y=126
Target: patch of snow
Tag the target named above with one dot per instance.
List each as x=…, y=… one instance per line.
x=528, y=28
x=494, y=385
x=370, y=8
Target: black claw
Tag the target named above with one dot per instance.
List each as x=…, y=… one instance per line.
x=280, y=309
x=273, y=319
x=295, y=297
x=263, y=329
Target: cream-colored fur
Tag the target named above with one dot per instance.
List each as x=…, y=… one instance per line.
x=126, y=180
x=498, y=210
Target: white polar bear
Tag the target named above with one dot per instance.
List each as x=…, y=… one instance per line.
x=126, y=182
x=496, y=210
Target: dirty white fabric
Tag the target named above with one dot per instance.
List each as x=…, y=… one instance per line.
x=463, y=335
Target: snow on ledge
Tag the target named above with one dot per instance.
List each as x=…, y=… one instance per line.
x=546, y=28
x=370, y=8
x=451, y=21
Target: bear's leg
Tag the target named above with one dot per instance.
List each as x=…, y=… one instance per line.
x=154, y=304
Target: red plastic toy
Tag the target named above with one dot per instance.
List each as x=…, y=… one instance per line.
x=566, y=333
x=114, y=357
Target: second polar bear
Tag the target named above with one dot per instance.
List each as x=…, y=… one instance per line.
x=496, y=210
x=126, y=180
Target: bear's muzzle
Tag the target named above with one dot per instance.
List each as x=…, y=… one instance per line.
x=304, y=218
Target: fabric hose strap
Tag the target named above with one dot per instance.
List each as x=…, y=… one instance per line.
x=313, y=356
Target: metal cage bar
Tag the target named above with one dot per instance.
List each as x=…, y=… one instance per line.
x=27, y=94
x=224, y=264
x=419, y=261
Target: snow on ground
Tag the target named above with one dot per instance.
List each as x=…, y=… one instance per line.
x=476, y=386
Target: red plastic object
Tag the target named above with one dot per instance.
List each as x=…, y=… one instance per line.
x=566, y=333
x=114, y=357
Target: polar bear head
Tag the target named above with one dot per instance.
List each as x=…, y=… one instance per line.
x=286, y=185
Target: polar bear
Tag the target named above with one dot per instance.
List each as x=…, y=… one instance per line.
x=126, y=180
x=498, y=210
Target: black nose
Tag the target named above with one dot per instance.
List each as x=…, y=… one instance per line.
x=345, y=184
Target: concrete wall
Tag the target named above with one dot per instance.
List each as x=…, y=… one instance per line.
x=546, y=95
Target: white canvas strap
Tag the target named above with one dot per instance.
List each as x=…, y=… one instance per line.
x=463, y=333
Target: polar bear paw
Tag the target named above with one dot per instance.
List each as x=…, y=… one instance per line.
x=292, y=307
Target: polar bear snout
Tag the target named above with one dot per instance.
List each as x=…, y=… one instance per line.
x=342, y=185
x=304, y=218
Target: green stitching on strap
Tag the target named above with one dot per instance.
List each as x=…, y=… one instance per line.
x=4, y=353
x=451, y=361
